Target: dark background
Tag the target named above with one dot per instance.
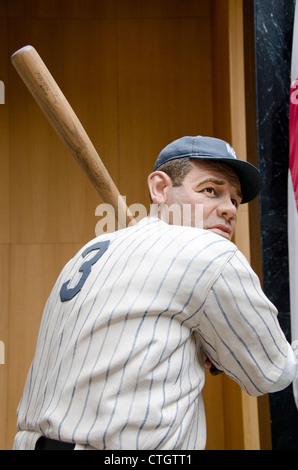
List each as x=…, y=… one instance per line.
x=273, y=46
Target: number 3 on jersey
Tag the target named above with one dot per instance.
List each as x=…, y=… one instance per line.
x=69, y=293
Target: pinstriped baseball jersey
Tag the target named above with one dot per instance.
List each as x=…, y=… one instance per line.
x=118, y=362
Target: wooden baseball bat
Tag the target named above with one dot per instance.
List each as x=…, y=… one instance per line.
x=62, y=117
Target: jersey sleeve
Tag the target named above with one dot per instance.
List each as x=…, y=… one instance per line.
x=240, y=332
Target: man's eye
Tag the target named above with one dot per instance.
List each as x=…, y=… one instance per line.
x=209, y=190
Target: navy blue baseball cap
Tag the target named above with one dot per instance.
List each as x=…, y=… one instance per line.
x=210, y=148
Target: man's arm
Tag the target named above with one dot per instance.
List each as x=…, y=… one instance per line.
x=288, y=374
x=240, y=332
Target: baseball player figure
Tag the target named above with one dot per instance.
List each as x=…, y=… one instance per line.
x=121, y=353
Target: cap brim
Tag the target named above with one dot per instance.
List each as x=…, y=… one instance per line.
x=249, y=176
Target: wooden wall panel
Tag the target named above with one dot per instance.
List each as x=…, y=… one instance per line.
x=4, y=138
x=215, y=412
x=165, y=91
x=28, y=296
x=90, y=9
x=4, y=338
x=163, y=9
x=54, y=196
x=93, y=9
x=3, y=8
x=4, y=227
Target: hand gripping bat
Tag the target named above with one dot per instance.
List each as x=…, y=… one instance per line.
x=61, y=116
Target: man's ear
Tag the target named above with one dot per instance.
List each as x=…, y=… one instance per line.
x=159, y=184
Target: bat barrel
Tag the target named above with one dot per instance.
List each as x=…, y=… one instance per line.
x=63, y=119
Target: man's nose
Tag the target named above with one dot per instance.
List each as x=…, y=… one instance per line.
x=227, y=208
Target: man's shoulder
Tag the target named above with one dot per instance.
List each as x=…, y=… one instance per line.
x=191, y=238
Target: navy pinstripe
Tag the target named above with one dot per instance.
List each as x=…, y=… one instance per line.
x=120, y=366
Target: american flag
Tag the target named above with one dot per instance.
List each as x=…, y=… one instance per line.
x=293, y=197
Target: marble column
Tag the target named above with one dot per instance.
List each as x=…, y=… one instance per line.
x=273, y=45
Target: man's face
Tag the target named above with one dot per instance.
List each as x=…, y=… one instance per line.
x=217, y=191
